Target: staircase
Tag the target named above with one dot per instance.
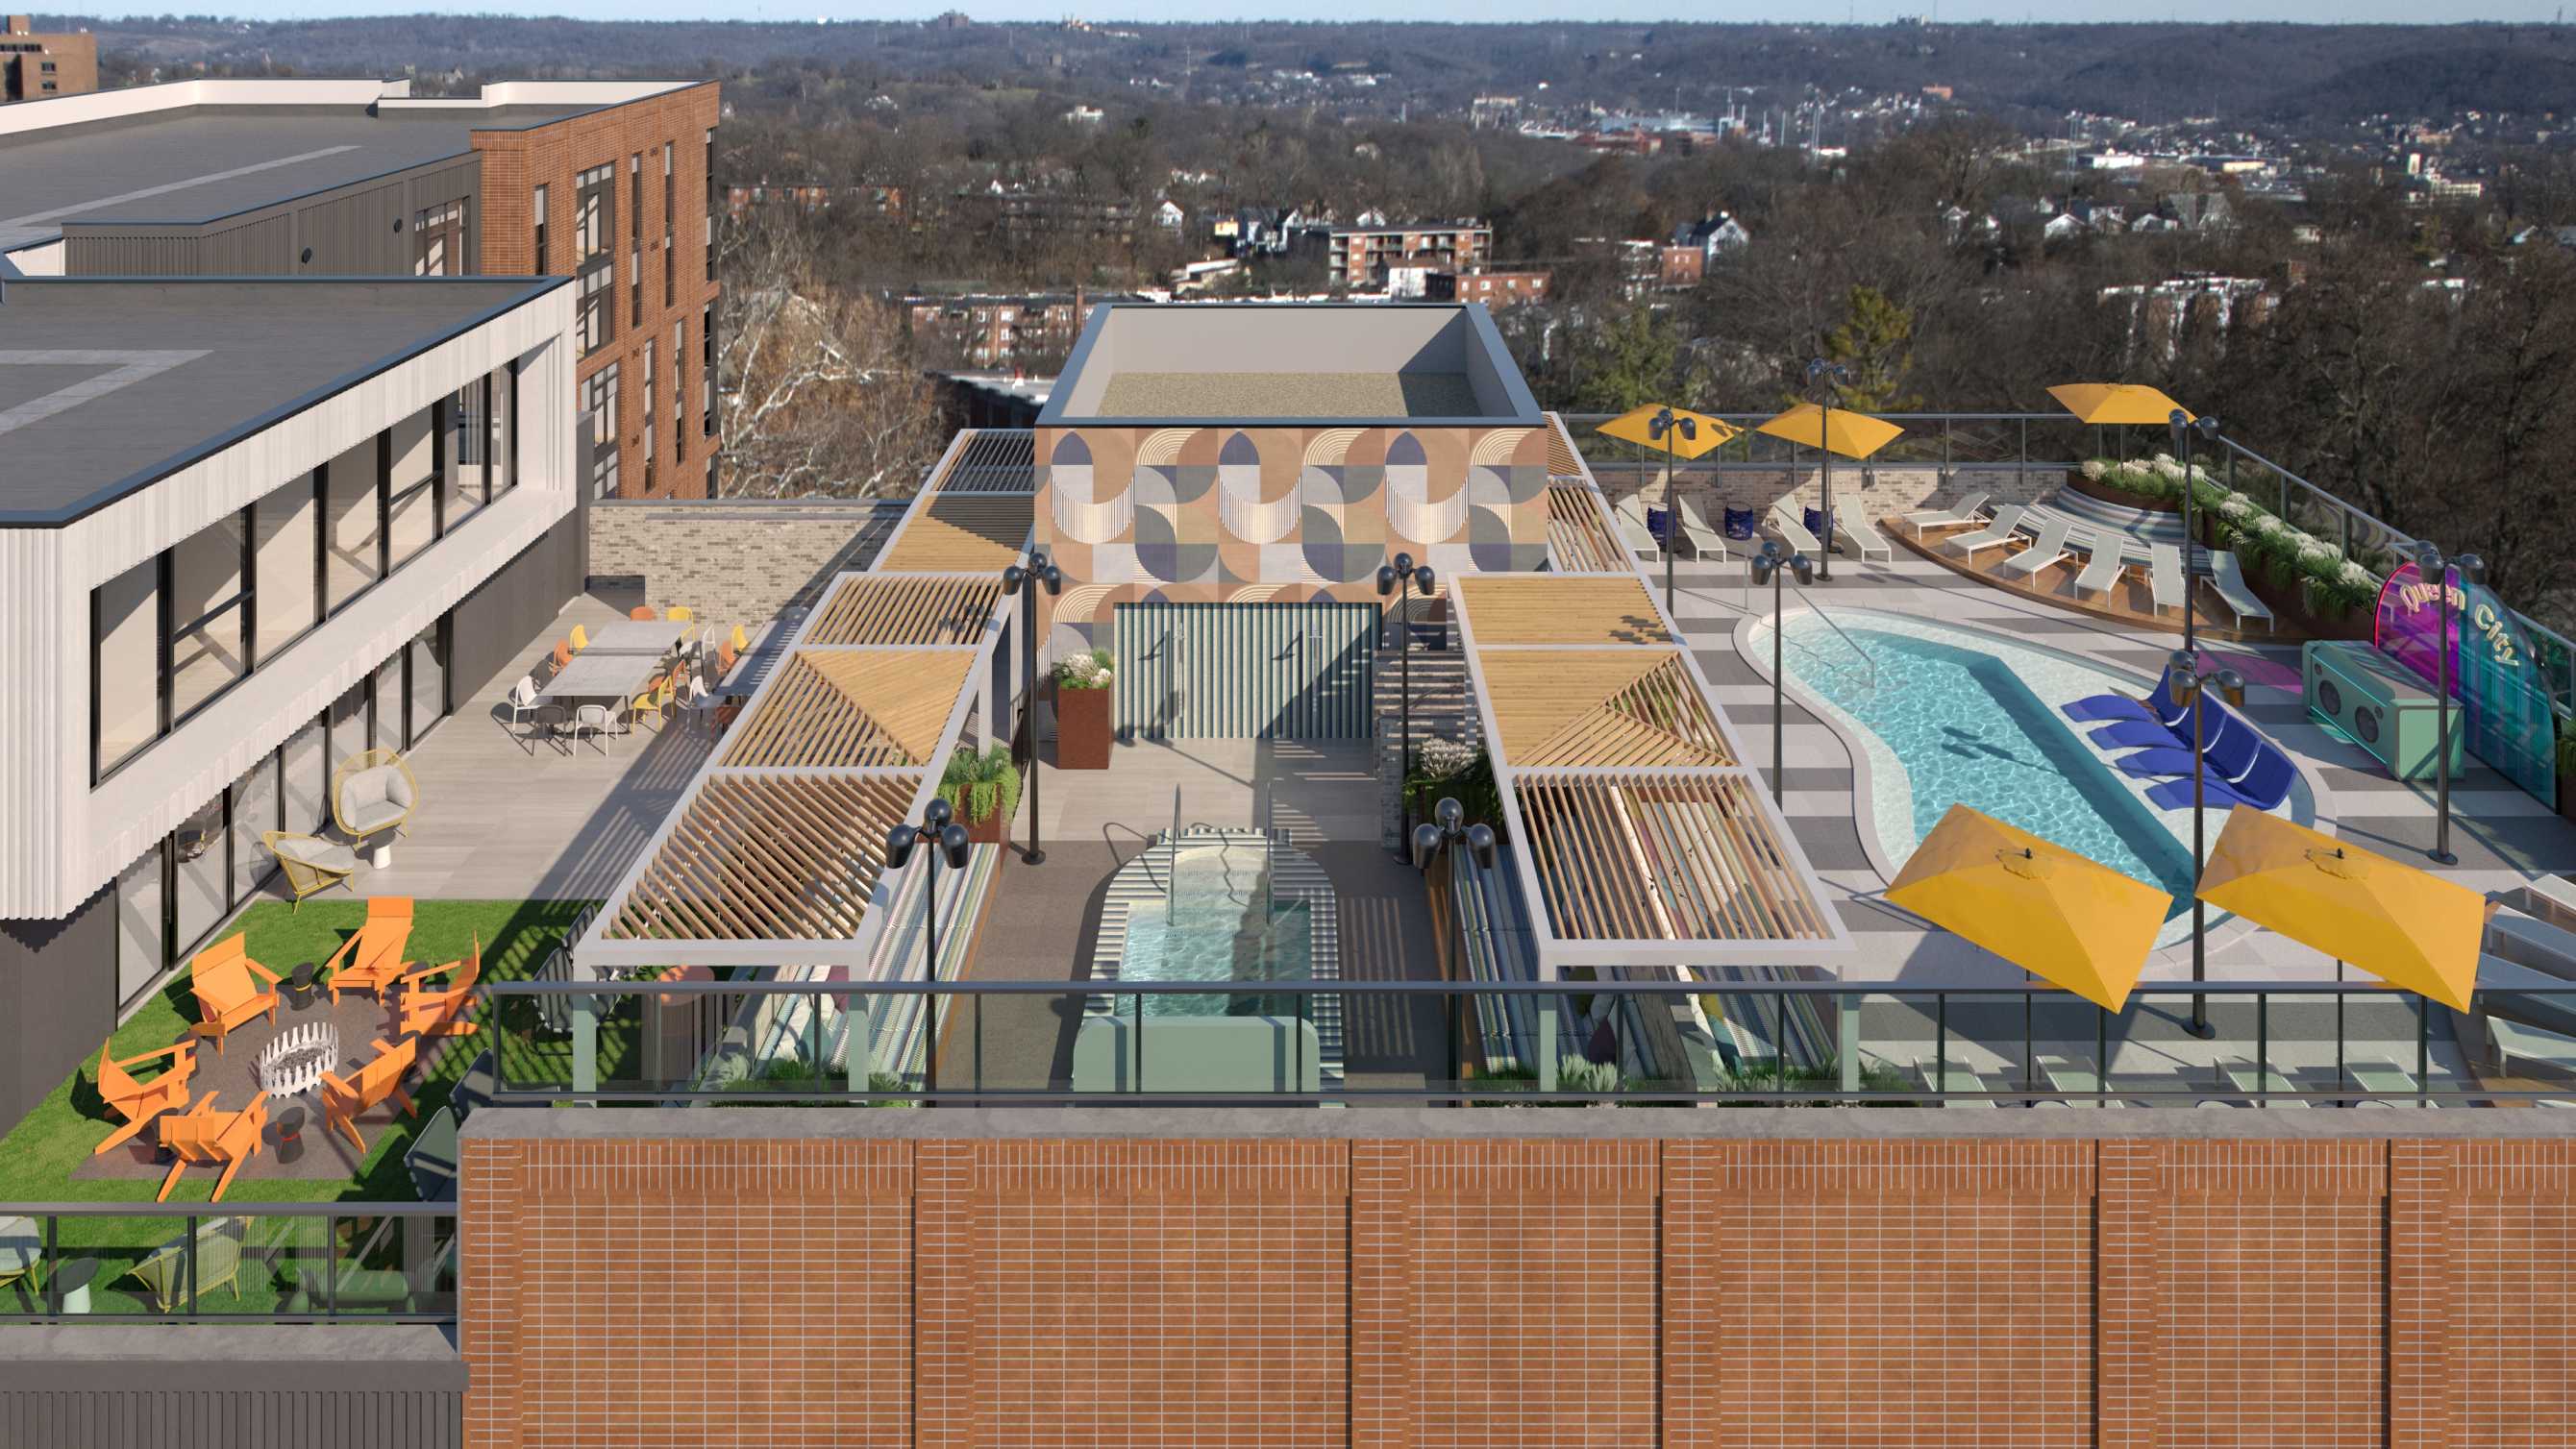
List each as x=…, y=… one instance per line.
x=1443, y=703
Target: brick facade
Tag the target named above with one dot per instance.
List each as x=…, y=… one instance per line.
x=1623, y=1291
x=517, y=162
x=736, y=559
x=34, y=67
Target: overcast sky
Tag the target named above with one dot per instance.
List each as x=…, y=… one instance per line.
x=1866, y=11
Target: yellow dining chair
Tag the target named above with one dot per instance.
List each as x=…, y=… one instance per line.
x=679, y=613
x=580, y=638
x=741, y=640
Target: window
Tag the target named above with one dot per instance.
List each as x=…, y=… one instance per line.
x=286, y=559
x=635, y=244
x=680, y=390
x=347, y=723
x=464, y=484
x=255, y=805
x=438, y=240
x=204, y=877
x=125, y=665
x=537, y=264
x=646, y=410
x=209, y=597
x=594, y=321
x=141, y=941
x=670, y=222
x=428, y=670
x=599, y=399
x=707, y=367
x=353, y=524
x=504, y=447
x=635, y=193
x=308, y=779
x=411, y=506
x=594, y=213
x=635, y=286
x=711, y=204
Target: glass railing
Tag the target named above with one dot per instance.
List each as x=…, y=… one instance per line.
x=1748, y=1042
x=256, y=1262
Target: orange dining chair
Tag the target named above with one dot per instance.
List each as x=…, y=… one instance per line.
x=378, y=1079
x=137, y=1100
x=203, y=1137
x=562, y=656
x=372, y=959
x=220, y=978
x=641, y=613
x=426, y=1010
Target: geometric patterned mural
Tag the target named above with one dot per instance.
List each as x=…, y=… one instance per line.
x=1227, y=514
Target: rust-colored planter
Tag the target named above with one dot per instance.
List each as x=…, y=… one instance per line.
x=2077, y=482
x=1081, y=729
x=993, y=829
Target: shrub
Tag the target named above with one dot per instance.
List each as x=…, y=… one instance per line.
x=977, y=786
x=1086, y=670
x=1472, y=783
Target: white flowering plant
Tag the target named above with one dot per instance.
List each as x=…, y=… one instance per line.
x=1086, y=670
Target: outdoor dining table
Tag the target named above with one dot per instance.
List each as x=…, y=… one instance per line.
x=653, y=637
x=593, y=675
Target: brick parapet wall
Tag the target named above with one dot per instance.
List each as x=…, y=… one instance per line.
x=735, y=561
x=1621, y=1291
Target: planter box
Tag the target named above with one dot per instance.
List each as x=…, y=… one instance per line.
x=1081, y=729
x=2077, y=482
x=993, y=829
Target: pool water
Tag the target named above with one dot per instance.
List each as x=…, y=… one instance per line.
x=1219, y=924
x=1966, y=728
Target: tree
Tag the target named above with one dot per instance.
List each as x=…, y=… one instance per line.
x=1625, y=364
x=1874, y=345
x=820, y=393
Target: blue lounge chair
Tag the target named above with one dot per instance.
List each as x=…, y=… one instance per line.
x=2233, y=747
x=2175, y=794
x=2158, y=705
x=2171, y=733
x=2268, y=783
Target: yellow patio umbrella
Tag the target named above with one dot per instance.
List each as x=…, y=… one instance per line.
x=2071, y=921
x=2407, y=927
x=2111, y=404
x=1637, y=425
x=1839, y=430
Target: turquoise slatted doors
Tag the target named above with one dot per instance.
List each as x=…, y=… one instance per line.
x=1244, y=671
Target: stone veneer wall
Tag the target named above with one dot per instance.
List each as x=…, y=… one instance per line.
x=1615, y=1278
x=737, y=560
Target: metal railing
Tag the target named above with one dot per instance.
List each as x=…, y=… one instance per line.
x=2050, y=443
x=83, y=1263
x=1734, y=1042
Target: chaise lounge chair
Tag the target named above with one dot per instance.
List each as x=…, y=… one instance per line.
x=2102, y=569
x=1971, y=511
x=2003, y=529
x=1694, y=531
x=1628, y=515
x=1866, y=541
x=2046, y=549
x=2165, y=576
x=1794, y=532
x=2228, y=577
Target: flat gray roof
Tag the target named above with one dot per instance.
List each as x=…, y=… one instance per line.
x=1290, y=363
x=202, y=163
x=106, y=386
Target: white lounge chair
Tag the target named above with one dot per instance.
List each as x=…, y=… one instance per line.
x=1972, y=511
x=1957, y=1083
x=1866, y=541
x=1628, y=515
x=2046, y=549
x=1793, y=531
x=2164, y=576
x=1693, y=530
x=2005, y=526
x=2228, y=577
x=2102, y=569
x=2529, y=1043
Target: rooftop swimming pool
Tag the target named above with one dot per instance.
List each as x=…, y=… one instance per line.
x=1953, y=715
x=1216, y=922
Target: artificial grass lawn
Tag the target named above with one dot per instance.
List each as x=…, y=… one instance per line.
x=37, y=1157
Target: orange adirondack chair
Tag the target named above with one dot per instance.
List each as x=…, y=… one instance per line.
x=379, y=1078
x=373, y=959
x=220, y=979
x=426, y=1010
x=139, y=1101
x=203, y=1137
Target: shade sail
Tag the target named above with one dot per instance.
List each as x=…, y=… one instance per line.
x=2113, y=403
x=2409, y=928
x=1638, y=426
x=2071, y=921
x=1853, y=435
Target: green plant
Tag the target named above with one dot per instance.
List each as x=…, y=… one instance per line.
x=978, y=786
x=2566, y=751
x=1086, y=670
x=1472, y=784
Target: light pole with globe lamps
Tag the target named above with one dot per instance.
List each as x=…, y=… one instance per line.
x=2429, y=564
x=1664, y=427
x=2182, y=427
x=1402, y=576
x=1768, y=568
x=1039, y=573
x=2183, y=682
x=949, y=843
x=1831, y=374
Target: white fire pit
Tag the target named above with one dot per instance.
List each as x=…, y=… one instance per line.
x=295, y=1061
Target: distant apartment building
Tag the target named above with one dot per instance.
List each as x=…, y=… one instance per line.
x=1496, y=290
x=885, y=201
x=987, y=330
x=34, y=66
x=1023, y=216
x=1360, y=257
x=610, y=183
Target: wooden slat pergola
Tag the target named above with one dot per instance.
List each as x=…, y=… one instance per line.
x=869, y=609
x=1644, y=840
x=852, y=707
x=1579, y=538
x=784, y=857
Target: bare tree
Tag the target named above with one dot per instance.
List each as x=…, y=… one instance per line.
x=821, y=393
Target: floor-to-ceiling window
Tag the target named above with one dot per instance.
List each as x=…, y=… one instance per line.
x=308, y=778
x=286, y=550
x=255, y=805
x=387, y=685
x=354, y=503
x=209, y=604
x=125, y=662
x=428, y=658
x=205, y=880
x=142, y=921
x=411, y=509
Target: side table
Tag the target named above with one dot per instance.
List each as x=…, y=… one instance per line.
x=299, y=987
x=71, y=1282
x=289, y=1126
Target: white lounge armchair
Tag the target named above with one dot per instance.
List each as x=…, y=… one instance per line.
x=2228, y=577
x=2002, y=529
x=1971, y=511
x=2046, y=549
x=372, y=792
